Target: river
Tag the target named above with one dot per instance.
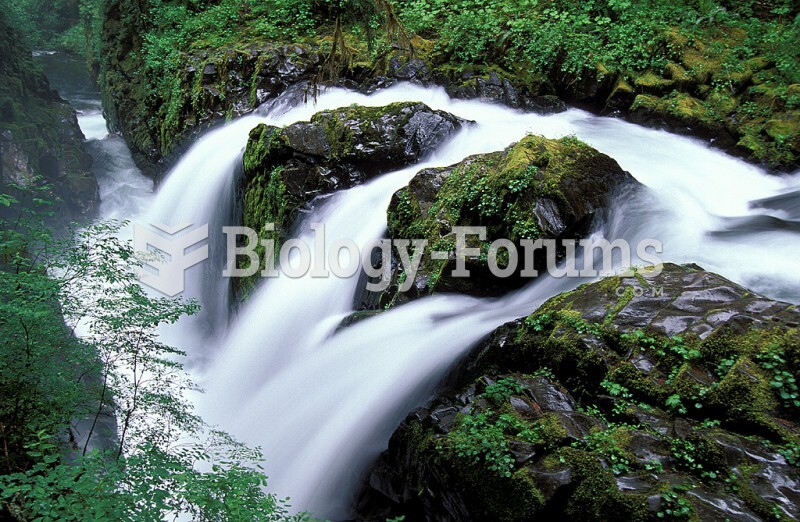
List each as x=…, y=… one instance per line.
x=323, y=402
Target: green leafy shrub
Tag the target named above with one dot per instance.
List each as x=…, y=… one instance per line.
x=165, y=462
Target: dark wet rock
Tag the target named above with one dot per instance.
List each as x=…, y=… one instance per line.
x=357, y=317
x=577, y=425
x=551, y=482
x=487, y=84
x=286, y=168
x=750, y=225
x=788, y=203
x=493, y=89
x=710, y=505
x=549, y=397
x=408, y=70
x=590, y=433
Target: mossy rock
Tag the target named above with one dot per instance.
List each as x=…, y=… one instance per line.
x=286, y=168
x=514, y=87
x=722, y=101
x=621, y=96
x=536, y=188
x=688, y=109
x=677, y=73
x=652, y=82
x=615, y=405
x=784, y=126
x=700, y=67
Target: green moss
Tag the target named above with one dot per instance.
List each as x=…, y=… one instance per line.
x=621, y=88
x=760, y=506
x=578, y=366
x=265, y=147
x=597, y=497
x=784, y=126
x=622, y=302
x=699, y=67
x=653, y=82
x=642, y=386
x=646, y=101
x=676, y=72
x=476, y=453
x=687, y=108
x=511, y=499
x=338, y=136
x=721, y=101
x=498, y=190
x=743, y=399
x=266, y=201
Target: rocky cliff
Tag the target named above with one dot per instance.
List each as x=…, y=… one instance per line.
x=40, y=141
x=638, y=397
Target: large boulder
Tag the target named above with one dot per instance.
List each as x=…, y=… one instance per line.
x=633, y=398
x=284, y=169
x=536, y=188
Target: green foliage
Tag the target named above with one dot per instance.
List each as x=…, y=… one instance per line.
x=608, y=444
x=538, y=322
x=674, y=505
x=685, y=453
x=559, y=36
x=477, y=439
x=783, y=380
x=502, y=390
x=675, y=404
x=574, y=37
x=69, y=25
x=42, y=22
x=481, y=437
x=146, y=485
x=791, y=453
x=80, y=342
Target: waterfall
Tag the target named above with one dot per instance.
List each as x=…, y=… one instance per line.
x=323, y=402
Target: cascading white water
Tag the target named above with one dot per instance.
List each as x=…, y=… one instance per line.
x=323, y=403
x=197, y=191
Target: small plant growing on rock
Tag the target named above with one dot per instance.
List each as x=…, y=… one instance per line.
x=674, y=505
x=783, y=382
x=608, y=444
x=502, y=390
x=477, y=438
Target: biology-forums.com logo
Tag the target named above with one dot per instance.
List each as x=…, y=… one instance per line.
x=171, y=250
